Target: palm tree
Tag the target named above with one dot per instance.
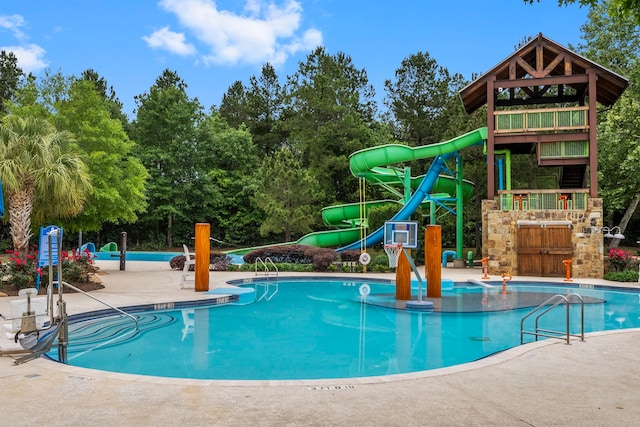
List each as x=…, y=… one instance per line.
x=43, y=175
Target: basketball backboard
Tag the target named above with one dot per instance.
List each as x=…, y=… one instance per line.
x=401, y=232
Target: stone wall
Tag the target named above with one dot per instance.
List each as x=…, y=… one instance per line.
x=499, y=237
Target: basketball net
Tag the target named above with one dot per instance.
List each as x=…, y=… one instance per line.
x=393, y=252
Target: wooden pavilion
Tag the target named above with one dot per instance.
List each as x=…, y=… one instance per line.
x=543, y=101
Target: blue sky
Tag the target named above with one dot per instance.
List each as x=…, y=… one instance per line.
x=211, y=44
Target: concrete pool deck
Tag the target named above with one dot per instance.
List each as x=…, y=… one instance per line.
x=596, y=382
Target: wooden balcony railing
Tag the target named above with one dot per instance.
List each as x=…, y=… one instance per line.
x=529, y=200
x=541, y=120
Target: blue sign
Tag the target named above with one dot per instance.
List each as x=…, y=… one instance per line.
x=43, y=251
x=1, y=200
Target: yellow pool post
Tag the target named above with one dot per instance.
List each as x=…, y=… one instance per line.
x=432, y=253
x=203, y=252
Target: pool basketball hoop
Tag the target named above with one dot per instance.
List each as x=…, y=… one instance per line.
x=393, y=252
x=399, y=235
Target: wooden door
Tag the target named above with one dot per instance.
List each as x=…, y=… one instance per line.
x=542, y=248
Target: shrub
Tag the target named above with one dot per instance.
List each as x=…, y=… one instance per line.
x=379, y=263
x=22, y=272
x=620, y=260
x=321, y=258
x=350, y=256
x=622, y=276
x=294, y=254
x=76, y=268
x=217, y=262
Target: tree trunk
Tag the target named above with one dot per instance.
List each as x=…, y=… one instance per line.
x=20, y=207
x=287, y=233
x=169, y=232
x=625, y=219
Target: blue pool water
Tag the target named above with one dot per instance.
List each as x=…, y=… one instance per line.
x=149, y=256
x=136, y=256
x=313, y=329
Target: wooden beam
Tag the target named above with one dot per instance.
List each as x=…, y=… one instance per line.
x=539, y=60
x=536, y=101
x=553, y=64
x=568, y=67
x=491, y=126
x=593, y=136
x=564, y=161
x=530, y=70
x=533, y=137
x=556, y=80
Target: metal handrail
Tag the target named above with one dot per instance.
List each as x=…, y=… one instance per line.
x=267, y=287
x=98, y=299
x=554, y=301
x=266, y=267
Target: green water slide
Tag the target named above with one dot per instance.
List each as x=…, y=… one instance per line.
x=375, y=165
x=369, y=163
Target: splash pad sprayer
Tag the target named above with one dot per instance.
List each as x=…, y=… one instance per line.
x=505, y=276
x=485, y=267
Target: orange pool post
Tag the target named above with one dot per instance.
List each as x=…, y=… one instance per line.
x=403, y=278
x=485, y=267
x=203, y=256
x=567, y=269
x=433, y=266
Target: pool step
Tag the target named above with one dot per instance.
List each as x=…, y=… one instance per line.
x=111, y=331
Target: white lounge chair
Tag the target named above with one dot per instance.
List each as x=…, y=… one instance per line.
x=188, y=279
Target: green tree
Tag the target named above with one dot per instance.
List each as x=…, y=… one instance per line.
x=287, y=194
x=616, y=9
x=108, y=95
x=234, y=108
x=165, y=131
x=228, y=162
x=615, y=43
x=118, y=177
x=265, y=104
x=258, y=107
x=423, y=100
x=10, y=77
x=329, y=115
x=42, y=175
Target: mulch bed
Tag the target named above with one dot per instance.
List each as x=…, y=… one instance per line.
x=87, y=287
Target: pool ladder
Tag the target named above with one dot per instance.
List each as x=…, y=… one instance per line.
x=552, y=303
x=265, y=266
x=267, y=286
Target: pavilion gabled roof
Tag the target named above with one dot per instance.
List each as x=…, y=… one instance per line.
x=543, y=58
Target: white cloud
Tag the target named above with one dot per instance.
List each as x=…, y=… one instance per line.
x=265, y=32
x=170, y=41
x=30, y=57
x=13, y=24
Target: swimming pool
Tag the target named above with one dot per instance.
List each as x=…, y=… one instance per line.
x=150, y=256
x=313, y=329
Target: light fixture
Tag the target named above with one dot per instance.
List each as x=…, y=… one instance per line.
x=609, y=230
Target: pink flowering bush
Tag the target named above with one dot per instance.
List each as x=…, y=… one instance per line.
x=620, y=260
x=22, y=272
